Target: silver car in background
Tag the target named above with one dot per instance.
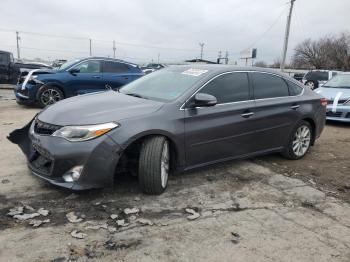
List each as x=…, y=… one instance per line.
x=337, y=92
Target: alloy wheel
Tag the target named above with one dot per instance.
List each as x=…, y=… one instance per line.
x=301, y=141
x=164, y=164
x=310, y=84
x=50, y=96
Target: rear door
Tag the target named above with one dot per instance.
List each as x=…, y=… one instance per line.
x=276, y=111
x=225, y=130
x=116, y=74
x=89, y=78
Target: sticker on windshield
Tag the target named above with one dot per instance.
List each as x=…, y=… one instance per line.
x=194, y=72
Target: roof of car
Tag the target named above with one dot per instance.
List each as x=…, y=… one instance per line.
x=109, y=59
x=219, y=68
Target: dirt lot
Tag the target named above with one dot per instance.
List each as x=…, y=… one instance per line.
x=263, y=209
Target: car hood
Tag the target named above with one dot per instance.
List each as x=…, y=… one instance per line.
x=38, y=72
x=97, y=108
x=332, y=93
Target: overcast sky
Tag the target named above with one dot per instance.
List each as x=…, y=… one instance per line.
x=143, y=29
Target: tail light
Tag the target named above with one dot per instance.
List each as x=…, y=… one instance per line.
x=323, y=101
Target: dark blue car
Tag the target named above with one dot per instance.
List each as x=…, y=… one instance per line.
x=93, y=74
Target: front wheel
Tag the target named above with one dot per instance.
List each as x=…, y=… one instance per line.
x=49, y=95
x=154, y=165
x=299, y=141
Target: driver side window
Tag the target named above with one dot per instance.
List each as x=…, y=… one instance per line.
x=228, y=88
x=91, y=66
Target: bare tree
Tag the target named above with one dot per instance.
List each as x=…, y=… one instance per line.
x=328, y=52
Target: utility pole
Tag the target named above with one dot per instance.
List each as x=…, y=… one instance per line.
x=114, y=49
x=201, y=45
x=90, y=46
x=158, y=58
x=226, y=57
x=285, y=45
x=17, y=40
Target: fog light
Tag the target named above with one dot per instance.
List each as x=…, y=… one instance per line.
x=73, y=174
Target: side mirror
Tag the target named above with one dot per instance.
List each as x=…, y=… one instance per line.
x=204, y=100
x=74, y=71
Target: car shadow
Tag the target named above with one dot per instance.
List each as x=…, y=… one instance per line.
x=337, y=123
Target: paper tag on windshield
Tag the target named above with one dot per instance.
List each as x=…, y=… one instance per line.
x=194, y=72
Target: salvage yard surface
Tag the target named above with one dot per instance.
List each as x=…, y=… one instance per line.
x=262, y=209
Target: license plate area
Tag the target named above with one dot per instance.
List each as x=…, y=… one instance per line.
x=41, y=160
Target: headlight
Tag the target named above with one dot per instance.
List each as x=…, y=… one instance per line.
x=347, y=103
x=83, y=133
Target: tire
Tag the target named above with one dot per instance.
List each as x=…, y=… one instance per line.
x=312, y=84
x=154, y=165
x=49, y=95
x=299, y=141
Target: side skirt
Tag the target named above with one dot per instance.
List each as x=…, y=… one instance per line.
x=257, y=153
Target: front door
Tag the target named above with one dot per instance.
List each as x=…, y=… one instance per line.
x=89, y=78
x=223, y=131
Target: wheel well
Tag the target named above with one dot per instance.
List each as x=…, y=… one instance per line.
x=313, y=127
x=128, y=161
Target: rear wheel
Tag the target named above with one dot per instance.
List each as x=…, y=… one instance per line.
x=49, y=95
x=154, y=165
x=299, y=141
x=312, y=84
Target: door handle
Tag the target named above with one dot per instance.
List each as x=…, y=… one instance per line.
x=294, y=107
x=96, y=77
x=246, y=115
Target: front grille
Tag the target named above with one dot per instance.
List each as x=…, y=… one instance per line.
x=332, y=114
x=42, y=128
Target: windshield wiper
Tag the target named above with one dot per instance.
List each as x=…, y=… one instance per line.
x=136, y=95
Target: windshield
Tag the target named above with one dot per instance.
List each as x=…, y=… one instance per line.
x=68, y=64
x=163, y=85
x=339, y=81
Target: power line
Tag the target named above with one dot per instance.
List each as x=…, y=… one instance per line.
x=103, y=40
x=267, y=30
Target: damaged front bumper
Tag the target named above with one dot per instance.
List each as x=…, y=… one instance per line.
x=26, y=96
x=51, y=158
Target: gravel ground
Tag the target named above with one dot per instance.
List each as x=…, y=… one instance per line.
x=263, y=209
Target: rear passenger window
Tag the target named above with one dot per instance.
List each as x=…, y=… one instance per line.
x=268, y=86
x=227, y=88
x=294, y=89
x=114, y=67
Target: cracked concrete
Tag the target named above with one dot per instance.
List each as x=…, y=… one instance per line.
x=277, y=218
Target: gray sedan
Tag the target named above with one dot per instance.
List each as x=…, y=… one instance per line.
x=337, y=92
x=172, y=120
